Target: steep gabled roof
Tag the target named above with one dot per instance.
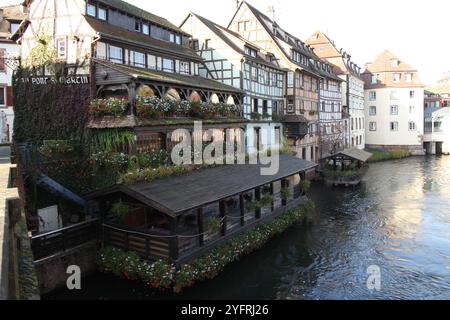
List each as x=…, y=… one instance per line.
x=109, y=31
x=231, y=38
x=138, y=12
x=382, y=63
x=326, y=49
x=278, y=37
x=384, y=66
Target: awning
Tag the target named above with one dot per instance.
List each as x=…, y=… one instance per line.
x=293, y=118
x=178, y=194
x=353, y=153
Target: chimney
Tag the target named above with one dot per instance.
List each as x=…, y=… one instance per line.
x=368, y=64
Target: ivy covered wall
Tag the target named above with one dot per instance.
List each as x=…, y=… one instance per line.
x=48, y=111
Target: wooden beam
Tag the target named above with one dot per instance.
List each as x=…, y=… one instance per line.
x=272, y=207
x=223, y=217
x=257, y=198
x=242, y=209
x=283, y=185
x=173, y=242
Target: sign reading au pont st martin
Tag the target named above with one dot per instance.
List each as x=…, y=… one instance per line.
x=68, y=80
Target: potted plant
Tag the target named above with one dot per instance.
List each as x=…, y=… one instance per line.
x=305, y=185
x=285, y=193
x=212, y=224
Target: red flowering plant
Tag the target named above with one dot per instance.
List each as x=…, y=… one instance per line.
x=108, y=107
x=154, y=107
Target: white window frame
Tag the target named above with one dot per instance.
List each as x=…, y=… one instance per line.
x=414, y=126
x=370, y=111
x=372, y=95
x=119, y=49
x=100, y=9
x=393, y=110
x=290, y=79
x=146, y=28
x=62, y=55
x=141, y=55
x=393, y=126
x=374, y=79
x=91, y=6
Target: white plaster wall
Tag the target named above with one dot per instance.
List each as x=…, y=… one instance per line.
x=383, y=135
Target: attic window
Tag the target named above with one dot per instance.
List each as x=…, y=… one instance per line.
x=395, y=63
x=14, y=27
x=102, y=14
x=91, y=10
x=250, y=52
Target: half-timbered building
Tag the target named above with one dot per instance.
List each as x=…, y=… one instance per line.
x=352, y=87
x=302, y=80
x=129, y=53
x=236, y=61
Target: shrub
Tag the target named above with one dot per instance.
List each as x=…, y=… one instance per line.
x=162, y=275
x=305, y=185
x=52, y=148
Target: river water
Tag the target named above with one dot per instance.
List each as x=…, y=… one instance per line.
x=397, y=222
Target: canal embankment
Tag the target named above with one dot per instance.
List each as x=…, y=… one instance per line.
x=17, y=276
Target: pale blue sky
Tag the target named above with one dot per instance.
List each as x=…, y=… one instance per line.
x=415, y=30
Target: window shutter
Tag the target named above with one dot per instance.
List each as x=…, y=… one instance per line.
x=9, y=96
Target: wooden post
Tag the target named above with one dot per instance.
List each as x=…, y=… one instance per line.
x=173, y=244
x=271, y=193
x=201, y=238
x=283, y=185
x=242, y=208
x=223, y=217
x=257, y=198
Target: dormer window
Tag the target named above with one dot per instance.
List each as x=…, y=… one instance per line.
x=102, y=14
x=251, y=52
x=91, y=10
x=374, y=79
x=408, y=77
x=137, y=26
x=145, y=28
x=395, y=63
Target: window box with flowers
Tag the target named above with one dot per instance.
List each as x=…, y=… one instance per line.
x=108, y=107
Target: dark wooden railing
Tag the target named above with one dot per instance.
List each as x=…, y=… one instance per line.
x=149, y=246
x=50, y=243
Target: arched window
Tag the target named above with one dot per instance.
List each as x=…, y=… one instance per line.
x=230, y=100
x=195, y=97
x=173, y=94
x=215, y=98
x=145, y=91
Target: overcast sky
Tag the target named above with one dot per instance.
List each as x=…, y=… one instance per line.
x=415, y=30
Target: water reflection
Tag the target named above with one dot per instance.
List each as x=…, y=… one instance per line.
x=399, y=220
